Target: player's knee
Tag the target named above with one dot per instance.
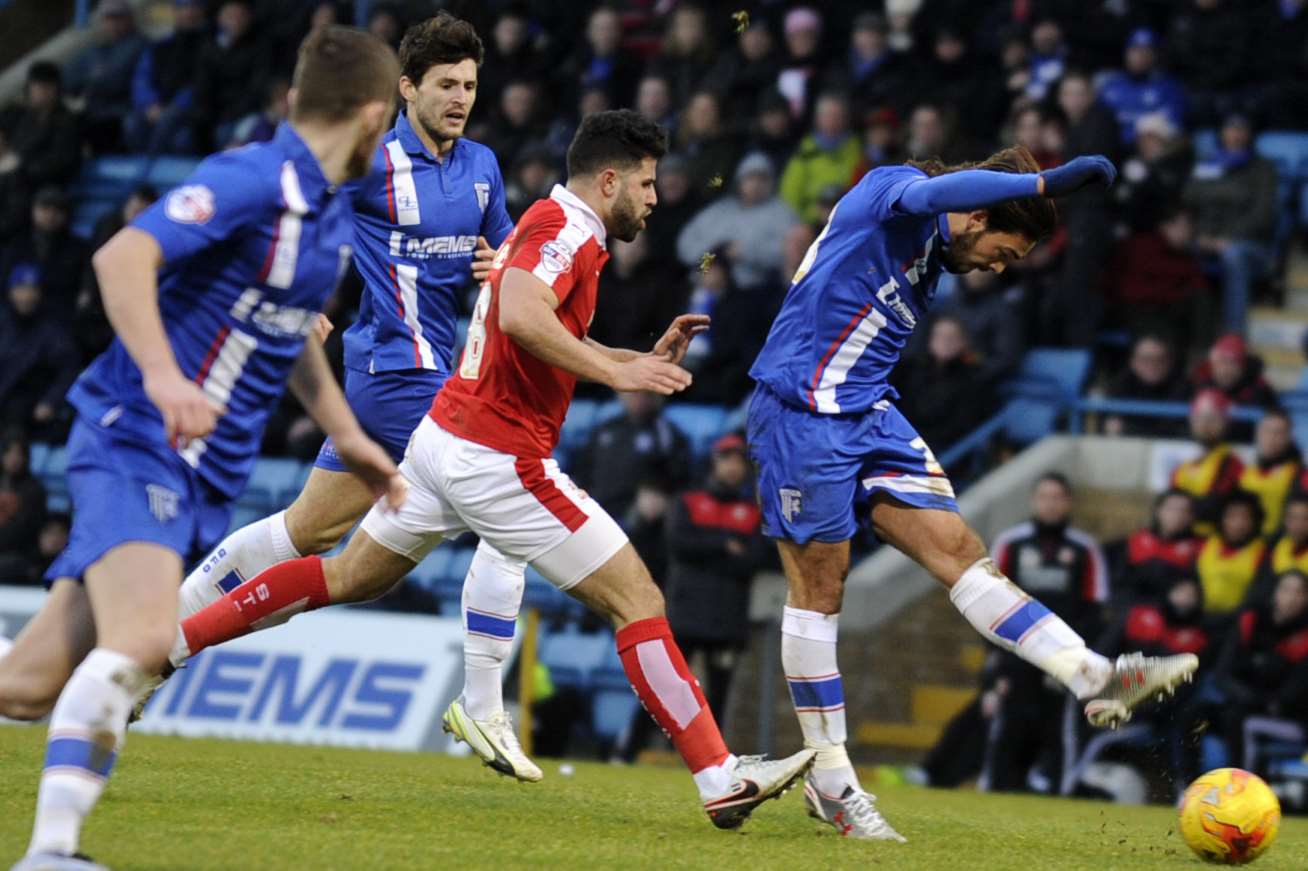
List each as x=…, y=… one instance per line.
x=26, y=698
x=311, y=540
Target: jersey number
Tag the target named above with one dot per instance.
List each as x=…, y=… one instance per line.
x=475, y=347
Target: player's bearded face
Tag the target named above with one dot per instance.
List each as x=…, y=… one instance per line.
x=444, y=99
x=989, y=250
x=634, y=202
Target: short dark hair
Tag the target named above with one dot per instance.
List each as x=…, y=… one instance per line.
x=1055, y=478
x=1296, y=499
x=1035, y=217
x=339, y=70
x=441, y=39
x=618, y=138
x=1277, y=412
x=1248, y=500
x=45, y=72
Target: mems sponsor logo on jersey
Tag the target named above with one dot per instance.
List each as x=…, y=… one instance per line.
x=284, y=321
x=428, y=247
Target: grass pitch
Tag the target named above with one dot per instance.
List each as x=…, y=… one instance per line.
x=187, y=805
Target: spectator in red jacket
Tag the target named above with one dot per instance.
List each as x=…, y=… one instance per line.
x=1263, y=667
x=1151, y=559
x=1215, y=473
x=1238, y=374
x=1154, y=276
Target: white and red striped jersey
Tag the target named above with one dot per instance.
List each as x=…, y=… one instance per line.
x=501, y=396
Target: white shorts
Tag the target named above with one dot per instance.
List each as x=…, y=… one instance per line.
x=525, y=508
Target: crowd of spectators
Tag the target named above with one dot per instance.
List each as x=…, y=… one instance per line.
x=1220, y=570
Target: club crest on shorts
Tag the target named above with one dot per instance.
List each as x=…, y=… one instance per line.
x=791, y=503
x=163, y=502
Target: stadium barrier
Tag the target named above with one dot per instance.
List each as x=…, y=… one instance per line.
x=341, y=677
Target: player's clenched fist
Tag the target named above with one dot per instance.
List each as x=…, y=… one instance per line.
x=650, y=373
x=187, y=412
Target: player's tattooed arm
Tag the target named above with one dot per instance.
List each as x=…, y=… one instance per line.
x=127, y=268
x=527, y=317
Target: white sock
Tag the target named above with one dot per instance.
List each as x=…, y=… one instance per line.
x=492, y=596
x=715, y=780
x=86, y=733
x=1000, y=611
x=808, y=654
x=241, y=555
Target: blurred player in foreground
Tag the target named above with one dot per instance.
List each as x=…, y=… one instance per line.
x=833, y=450
x=480, y=460
x=432, y=200
x=171, y=416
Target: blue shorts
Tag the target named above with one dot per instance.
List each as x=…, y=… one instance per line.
x=817, y=472
x=389, y=406
x=130, y=491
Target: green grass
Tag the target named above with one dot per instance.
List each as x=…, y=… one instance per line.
x=184, y=804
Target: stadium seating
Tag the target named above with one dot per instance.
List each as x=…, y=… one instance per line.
x=1047, y=382
x=702, y=424
x=575, y=658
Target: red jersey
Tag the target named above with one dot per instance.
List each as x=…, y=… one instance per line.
x=501, y=396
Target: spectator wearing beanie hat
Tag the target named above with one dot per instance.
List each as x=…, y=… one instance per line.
x=1215, y=473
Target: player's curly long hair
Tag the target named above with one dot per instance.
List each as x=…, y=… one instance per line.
x=1033, y=217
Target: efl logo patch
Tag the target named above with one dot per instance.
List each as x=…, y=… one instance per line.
x=555, y=256
x=163, y=502
x=791, y=504
x=190, y=204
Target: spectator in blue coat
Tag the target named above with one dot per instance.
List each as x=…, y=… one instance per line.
x=1142, y=87
x=163, y=85
x=101, y=74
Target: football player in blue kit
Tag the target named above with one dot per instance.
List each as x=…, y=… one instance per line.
x=211, y=292
x=833, y=451
x=430, y=213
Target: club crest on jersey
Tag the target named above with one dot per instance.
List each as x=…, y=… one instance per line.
x=163, y=502
x=190, y=204
x=555, y=256
x=791, y=503
x=483, y=194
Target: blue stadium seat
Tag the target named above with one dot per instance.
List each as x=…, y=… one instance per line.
x=428, y=572
x=1205, y=143
x=168, y=172
x=244, y=515
x=1288, y=149
x=702, y=424
x=87, y=213
x=1047, y=382
x=109, y=177
x=272, y=479
x=577, y=426
x=37, y=454
x=574, y=657
x=611, y=712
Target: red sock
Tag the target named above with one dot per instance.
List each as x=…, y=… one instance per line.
x=670, y=693
x=281, y=591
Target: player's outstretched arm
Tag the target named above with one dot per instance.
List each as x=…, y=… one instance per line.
x=527, y=317
x=671, y=347
x=127, y=267
x=313, y=384
x=972, y=189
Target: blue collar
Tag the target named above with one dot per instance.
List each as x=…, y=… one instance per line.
x=942, y=224
x=313, y=184
x=409, y=141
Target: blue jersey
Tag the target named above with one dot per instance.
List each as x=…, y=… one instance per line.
x=416, y=227
x=253, y=243
x=859, y=292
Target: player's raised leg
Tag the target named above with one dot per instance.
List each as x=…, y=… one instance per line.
x=943, y=544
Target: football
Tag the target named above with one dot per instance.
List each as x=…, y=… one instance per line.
x=1229, y=816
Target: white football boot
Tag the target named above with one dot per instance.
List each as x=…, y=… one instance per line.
x=754, y=781
x=1137, y=678
x=494, y=740
x=57, y=862
x=854, y=814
